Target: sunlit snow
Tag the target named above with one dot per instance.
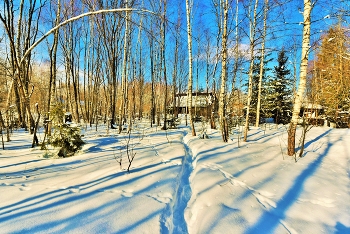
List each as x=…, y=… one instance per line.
x=179, y=184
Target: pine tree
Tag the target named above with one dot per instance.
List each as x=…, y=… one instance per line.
x=280, y=91
x=255, y=89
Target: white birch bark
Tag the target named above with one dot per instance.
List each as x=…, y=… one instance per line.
x=261, y=71
x=303, y=75
x=190, y=68
x=124, y=72
x=223, y=122
x=250, y=85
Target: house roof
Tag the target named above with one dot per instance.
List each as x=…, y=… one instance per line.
x=313, y=106
x=198, y=100
x=195, y=94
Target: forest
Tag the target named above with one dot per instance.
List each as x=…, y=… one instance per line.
x=117, y=62
x=168, y=116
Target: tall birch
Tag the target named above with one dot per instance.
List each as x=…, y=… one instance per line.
x=261, y=71
x=190, y=59
x=164, y=64
x=250, y=82
x=124, y=72
x=303, y=75
x=222, y=105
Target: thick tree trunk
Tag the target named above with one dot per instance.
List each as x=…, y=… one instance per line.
x=303, y=75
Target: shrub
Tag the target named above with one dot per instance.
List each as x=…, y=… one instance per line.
x=68, y=138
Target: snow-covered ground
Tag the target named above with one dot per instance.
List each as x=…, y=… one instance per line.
x=178, y=184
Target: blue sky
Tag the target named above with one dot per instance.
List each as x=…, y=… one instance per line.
x=284, y=29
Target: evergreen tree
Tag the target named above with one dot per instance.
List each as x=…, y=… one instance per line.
x=280, y=91
x=255, y=89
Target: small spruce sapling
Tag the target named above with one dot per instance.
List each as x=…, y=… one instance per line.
x=66, y=136
x=203, y=133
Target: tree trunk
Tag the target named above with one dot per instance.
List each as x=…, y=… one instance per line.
x=153, y=109
x=125, y=72
x=2, y=126
x=236, y=58
x=261, y=72
x=52, y=83
x=252, y=47
x=164, y=66
x=222, y=104
x=190, y=75
x=35, y=138
x=303, y=75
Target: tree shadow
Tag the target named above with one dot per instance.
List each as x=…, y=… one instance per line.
x=269, y=220
x=341, y=228
x=20, y=163
x=60, y=198
x=307, y=144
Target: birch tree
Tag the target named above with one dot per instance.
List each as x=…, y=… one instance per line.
x=162, y=29
x=222, y=101
x=302, y=77
x=236, y=56
x=261, y=71
x=176, y=61
x=252, y=32
x=190, y=67
x=124, y=71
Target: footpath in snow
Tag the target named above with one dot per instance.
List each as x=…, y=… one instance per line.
x=183, y=192
x=179, y=184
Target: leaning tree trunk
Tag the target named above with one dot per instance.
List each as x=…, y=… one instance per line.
x=303, y=75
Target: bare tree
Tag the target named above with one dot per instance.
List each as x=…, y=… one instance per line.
x=190, y=72
x=262, y=58
x=20, y=41
x=53, y=69
x=176, y=61
x=303, y=75
x=253, y=24
x=162, y=30
x=123, y=103
x=222, y=101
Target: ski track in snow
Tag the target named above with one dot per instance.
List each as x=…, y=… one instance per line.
x=173, y=218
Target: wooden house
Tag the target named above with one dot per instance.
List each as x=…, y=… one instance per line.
x=202, y=104
x=313, y=113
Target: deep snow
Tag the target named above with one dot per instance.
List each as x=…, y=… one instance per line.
x=179, y=184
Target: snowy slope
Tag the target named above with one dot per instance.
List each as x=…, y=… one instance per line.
x=179, y=184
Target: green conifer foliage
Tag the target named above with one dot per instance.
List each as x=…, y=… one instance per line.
x=280, y=97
